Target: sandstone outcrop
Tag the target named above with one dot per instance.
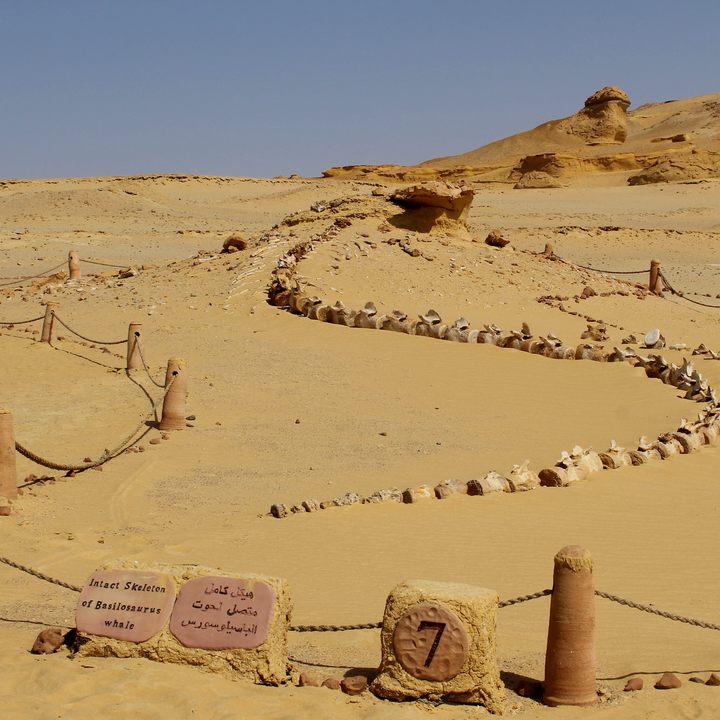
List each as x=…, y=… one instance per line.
x=536, y=179
x=433, y=206
x=603, y=120
x=696, y=165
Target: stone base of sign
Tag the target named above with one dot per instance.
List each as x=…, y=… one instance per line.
x=266, y=664
x=438, y=642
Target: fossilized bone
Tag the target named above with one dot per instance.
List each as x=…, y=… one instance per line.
x=522, y=478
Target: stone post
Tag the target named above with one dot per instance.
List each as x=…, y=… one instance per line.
x=48, y=328
x=655, y=284
x=74, y=265
x=173, y=410
x=570, y=656
x=134, y=346
x=8, y=472
x=438, y=642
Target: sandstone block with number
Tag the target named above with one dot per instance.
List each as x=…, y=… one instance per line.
x=231, y=624
x=438, y=642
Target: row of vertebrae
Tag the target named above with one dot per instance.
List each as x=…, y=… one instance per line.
x=574, y=466
x=689, y=437
x=520, y=479
x=684, y=377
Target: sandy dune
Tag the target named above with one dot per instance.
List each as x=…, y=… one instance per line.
x=288, y=409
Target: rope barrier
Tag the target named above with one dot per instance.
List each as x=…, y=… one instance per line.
x=105, y=457
x=377, y=625
x=654, y=611
x=335, y=628
x=669, y=287
x=33, y=277
x=23, y=322
x=104, y=264
x=147, y=369
x=39, y=575
x=74, y=332
x=610, y=272
x=525, y=598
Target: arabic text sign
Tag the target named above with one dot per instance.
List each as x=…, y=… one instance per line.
x=222, y=613
x=130, y=605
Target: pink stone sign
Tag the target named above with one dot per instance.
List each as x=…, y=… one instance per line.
x=130, y=605
x=223, y=613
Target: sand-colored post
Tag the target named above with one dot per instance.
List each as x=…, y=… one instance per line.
x=173, y=410
x=570, y=656
x=134, y=346
x=74, y=265
x=548, y=251
x=655, y=284
x=48, y=329
x=8, y=471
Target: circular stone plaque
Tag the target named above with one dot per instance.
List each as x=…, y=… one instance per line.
x=430, y=642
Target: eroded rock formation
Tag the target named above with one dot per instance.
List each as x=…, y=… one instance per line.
x=603, y=120
x=433, y=206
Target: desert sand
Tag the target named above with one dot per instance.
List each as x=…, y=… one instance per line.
x=288, y=409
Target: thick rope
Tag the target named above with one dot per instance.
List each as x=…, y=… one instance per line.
x=108, y=455
x=374, y=626
x=335, y=628
x=655, y=611
x=377, y=625
x=97, y=342
x=23, y=322
x=39, y=575
x=524, y=598
x=669, y=287
x=147, y=369
x=104, y=264
x=33, y=277
x=611, y=272
x=600, y=270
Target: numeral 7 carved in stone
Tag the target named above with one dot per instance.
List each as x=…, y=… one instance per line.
x=440, y=628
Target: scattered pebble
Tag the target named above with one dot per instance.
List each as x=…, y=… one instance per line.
x=331, y=683
x=355, y=685
x=48, y=641
x=632, y=684
x=308, y=680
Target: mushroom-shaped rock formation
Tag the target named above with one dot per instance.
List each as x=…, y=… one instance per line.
x=433, y=206
x=603, y=120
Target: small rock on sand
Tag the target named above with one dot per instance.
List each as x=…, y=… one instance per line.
x=635, y=683
x=355, y=685
x=668, y=681
x=308, y=680
x=48, y=641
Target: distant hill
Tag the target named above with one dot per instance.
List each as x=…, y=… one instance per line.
x=673, y=140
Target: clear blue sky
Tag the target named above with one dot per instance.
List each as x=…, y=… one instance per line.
x=270, y=87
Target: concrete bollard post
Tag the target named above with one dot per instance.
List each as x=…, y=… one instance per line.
x=570, y=656
x=134, y=346
x=8, y=471
x=173, y=410
x=655, y=284
x=548, y=251
x=48, y=329
x=74, y=265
